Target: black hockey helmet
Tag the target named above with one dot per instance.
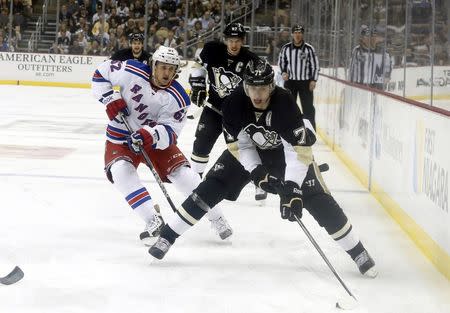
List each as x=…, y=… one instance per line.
x=298, y=28
x=234, y=30
x=258, y=73
x=136, y=36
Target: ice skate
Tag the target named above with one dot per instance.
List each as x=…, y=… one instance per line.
x=160, y=248
x=222, y=227
x=260, y=194
x=152, y=230
x=366, y=265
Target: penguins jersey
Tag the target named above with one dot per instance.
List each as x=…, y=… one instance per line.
x=249, y=132
x=161, y=110
x=224, y=70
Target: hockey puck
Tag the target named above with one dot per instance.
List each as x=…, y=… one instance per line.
x=324, y=167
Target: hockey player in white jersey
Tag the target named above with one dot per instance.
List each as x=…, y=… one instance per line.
x=155, y=105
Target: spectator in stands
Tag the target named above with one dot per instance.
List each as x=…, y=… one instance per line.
x=16, y=37
x=170, y=40
x=123, y=11
x=64, y=13
x=82, y=41
x=156, y=14
x=198, y=30
x=140, y=26
x=73, y=7
x=123, y=42
x=271, y=45
x=63, y=39
x=130, y=27
x=3, y=43
x=113, y=44
x=174, y=21
x=75, y=47
x=54, y=49
x=94, y=48
x=4, y=18
x=72, y=25
x=207, y=21
x=82, y=23
x=285, y=37
x=138, y=9
x=101, y=26
x=18, y=6
x=98, y=14
x=283, y=12
x=169, y=6
x=152, y=39
x=114, y=19
x=4, y=4
x=19, y=20
x=196, y=9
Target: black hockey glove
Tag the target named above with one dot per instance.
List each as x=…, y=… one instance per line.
x=291, y=202
x=198, y=90
x=262, y=179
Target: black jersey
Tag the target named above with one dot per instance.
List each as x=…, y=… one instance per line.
x=251, y=132
x=281, y=120
x=127, y=54
x=224, y=70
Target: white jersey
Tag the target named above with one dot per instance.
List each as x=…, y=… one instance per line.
x=161, y=111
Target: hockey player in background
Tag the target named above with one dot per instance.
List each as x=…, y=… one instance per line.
x=224, y=64
x=269, y=143
x=135, y=52
x=155, y=105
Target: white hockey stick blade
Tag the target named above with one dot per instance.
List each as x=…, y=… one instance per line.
x=13, y=277
x=347, y=303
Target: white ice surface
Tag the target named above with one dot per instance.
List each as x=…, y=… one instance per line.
x=77, y=240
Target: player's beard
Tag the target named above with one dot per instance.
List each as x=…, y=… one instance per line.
x=136, y=51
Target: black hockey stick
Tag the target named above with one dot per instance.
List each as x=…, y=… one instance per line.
x=150, y=165
x=339, y=304
x=13, y=277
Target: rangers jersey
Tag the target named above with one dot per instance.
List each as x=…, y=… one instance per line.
x=161, y=110
x=250, y=132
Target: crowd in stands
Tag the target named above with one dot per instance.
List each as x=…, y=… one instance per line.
x=22, y=10
x=85, y=27
x=101, y=27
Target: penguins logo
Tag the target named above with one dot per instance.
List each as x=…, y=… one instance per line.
x=262, y=137
x=225, y=81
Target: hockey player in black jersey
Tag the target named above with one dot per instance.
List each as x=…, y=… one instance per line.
x=269, y=143
x=224, y=64
x=135, y=52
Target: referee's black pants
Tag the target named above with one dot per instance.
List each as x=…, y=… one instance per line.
x=301, y=88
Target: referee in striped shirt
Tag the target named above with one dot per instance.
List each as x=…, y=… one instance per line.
x=299, y=67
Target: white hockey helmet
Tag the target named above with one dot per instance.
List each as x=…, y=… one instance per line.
x=166, y=55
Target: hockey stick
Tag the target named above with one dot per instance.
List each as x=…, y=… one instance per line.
x=340, y=304
x=13, y=277
x=150, y=165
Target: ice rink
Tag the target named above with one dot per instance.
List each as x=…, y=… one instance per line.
x=77, y=240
